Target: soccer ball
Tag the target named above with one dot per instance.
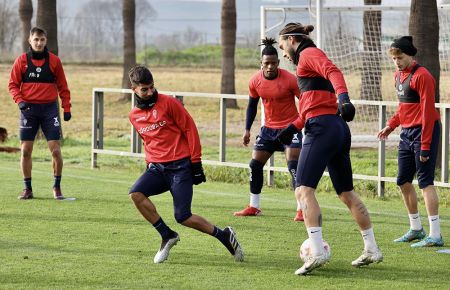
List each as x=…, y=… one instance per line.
x=305, y=250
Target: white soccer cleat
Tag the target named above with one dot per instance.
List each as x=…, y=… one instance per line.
x=234, y=246
x=368, y=257
x=313, y=262
x=164, y=250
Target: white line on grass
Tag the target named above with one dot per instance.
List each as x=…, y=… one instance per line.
x=231, y=194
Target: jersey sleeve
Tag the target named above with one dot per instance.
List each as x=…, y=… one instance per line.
x=425, y=86
x=61, y=83
x=15, y=80
x=187, y=125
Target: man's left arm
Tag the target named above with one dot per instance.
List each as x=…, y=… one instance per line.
x=63, y=89
x=425, y=86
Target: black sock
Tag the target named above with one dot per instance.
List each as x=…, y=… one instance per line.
x=224, y=238
x=165, y=232
x=57, y=183
x=27, y=182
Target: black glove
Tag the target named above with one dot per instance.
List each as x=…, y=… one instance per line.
x=425, y=153
x=285, y=135
x=67, y=116
x=198, y=175
x=23, y=106
x=345, y=107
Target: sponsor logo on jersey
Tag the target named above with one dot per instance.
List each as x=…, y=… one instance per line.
x=152, y=127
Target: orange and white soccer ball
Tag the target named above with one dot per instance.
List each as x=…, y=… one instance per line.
x=305, y=249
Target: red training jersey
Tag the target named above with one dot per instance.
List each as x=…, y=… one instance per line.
x=314, y=63
x=167, y=130
x=278, y=97
x=39, y=93
x=423, y=113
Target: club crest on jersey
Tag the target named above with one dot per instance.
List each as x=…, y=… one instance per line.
x=38, y=69
x=155, y=114
x=400, y=87
x=25, y=121
x=56, y=123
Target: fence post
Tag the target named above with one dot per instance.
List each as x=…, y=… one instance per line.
x=381, y=151
x=136, y=141
x=97, y=125
x=445, y=146
x=223, y=129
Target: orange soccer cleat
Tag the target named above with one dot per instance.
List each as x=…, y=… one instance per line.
x=248, y=211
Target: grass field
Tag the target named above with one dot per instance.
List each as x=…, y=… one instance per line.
x=100, y=241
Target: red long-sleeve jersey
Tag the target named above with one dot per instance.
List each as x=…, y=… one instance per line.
x=278, y=97
x=167, y=130
x=39, y=93
x=314, y=63
x=423, y=113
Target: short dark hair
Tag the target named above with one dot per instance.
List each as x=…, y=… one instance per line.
x=38, y=31
x=140, y=74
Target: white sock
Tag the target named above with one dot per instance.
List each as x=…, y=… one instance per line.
x=435, y=227
x=316, y=241
x=299, y=205
x=414, y=221
x=254, y=200
x=369, y=240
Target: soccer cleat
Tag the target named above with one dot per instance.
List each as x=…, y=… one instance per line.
x=429, y=242
x=299, y=216
x=57, y=193
x=164, y=250
x=234, y=247
x=411, y=235
x=368, y=257
x=248, y=211
x=26, y=194
x=313, y=262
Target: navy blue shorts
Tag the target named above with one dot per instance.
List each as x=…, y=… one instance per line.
x=267, y=141
x=409, y=156
x=326, y=144
x=175, y=176
x=43, y=115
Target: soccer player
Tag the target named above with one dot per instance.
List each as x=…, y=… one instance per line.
x=37, y=78
x=173, y=154
x=419, y=139
x=326, y=144
x=277, y=88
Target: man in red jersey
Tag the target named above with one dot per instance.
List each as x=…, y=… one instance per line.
x=37, y=78
x=326, y=144
x=173, y=154
x=419, y=139
x=277, y=88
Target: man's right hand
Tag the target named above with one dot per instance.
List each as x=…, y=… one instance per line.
x=23, y=106
x=384, y=133
x=246, y=138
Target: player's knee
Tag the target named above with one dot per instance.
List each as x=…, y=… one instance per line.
x=256, y=166
x=182, y=215
x=26, y=152
x=137, y=197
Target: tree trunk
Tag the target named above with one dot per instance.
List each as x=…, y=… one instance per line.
x=47, y=19
x=129, y=42
x=371, y=69
x=424, y=28
x=25, y=13
x=228, y=32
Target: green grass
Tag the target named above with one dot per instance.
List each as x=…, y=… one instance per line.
x=100, y=241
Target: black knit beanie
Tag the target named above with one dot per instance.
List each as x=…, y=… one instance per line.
x=405, y=44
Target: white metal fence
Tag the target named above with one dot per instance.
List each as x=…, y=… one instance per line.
x=98, y=102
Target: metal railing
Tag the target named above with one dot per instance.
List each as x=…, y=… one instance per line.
x=136, y=142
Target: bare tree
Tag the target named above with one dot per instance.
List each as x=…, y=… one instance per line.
x=9, y=25
x=228, y=35
x=129, y=41
x=47, y=19
x=25, y=13
x=424, y=27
